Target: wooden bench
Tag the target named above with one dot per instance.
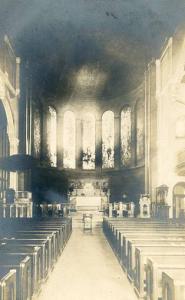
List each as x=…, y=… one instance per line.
x=35, y=254
x=7, y=284
x=143, y=237
x=154, y=268
x=173, y=285
x=141, y=255
x=153, y=243
x=42, y=239
x=126, y=236
x=32, y=242
x=23, y=273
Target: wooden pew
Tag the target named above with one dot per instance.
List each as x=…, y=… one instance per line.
x=23, y=273
x=35, y=254
x=143, y=237
x=114, y=235
x=46, y=234
x=143, y=234
x=173, y=285
x=153, y=243
x=54, y=252
x=50, y=259
x=32, y=242
x=141, y=255
x=25, y=236
x=154, y=268
x=7, y=284
x=61, y=229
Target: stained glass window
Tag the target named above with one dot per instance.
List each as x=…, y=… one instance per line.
x=51, y=135
x=108, y=139
x=37, y=133
x=88, y=157
x=140, y=131
x=126, y=136
x=69, y=140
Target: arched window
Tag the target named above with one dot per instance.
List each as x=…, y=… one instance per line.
x=37, y=133
x=88, y=158
x=51, y=135
x=140, y=142
x=108, y=139
x=180, y=127
x=126, y=136
x=69, y=140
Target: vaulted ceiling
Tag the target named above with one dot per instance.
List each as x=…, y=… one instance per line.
x=113, y=39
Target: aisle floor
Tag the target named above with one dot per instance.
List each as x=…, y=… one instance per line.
x=87, y=270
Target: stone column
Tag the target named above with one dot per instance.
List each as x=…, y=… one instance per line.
x=17, y=100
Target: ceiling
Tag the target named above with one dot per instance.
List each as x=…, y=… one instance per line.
x=111, y=39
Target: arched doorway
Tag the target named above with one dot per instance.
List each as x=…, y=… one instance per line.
x=179, y=200
x=4, y=148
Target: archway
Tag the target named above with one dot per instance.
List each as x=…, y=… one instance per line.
x=179, y=200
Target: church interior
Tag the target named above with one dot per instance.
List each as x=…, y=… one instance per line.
x=92, y=150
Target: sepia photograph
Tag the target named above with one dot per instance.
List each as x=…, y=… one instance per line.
x=92, y=149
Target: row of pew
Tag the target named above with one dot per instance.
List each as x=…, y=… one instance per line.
x=29, y=249
x=152, y=254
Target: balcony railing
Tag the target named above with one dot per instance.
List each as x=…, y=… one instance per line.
x=16, y=210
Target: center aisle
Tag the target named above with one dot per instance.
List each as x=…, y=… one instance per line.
x=87, y=270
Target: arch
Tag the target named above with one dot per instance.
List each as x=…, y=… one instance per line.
x=51, y=135
x=108, y=139
x=69, y=140
x=10, y=125
x=179, y=200
x=126, y=128
x=88, y=144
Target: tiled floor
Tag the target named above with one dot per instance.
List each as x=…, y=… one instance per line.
x=87, y=270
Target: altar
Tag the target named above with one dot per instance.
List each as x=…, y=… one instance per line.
x=88, y=203
x=88, y=195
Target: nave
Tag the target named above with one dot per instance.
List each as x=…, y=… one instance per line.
x=87, y=269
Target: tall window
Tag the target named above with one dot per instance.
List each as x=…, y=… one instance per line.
x=140, y=131
x=51, y=135
x=126, y=136
x=37, y=133
x=69, y=140
x=88, y=158
x=108, y=139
